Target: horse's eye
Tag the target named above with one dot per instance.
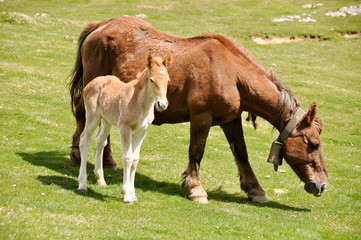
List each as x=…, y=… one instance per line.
x=152, y=79
x=314, y=143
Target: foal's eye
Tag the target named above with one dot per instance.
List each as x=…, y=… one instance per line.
x=152, y=79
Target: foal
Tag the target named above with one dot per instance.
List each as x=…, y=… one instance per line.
x=130, y=107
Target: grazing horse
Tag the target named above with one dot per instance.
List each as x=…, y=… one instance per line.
x=214, y=80
x=130, y=107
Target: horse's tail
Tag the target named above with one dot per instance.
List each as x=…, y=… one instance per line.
x=252, y=117
x=76, y=81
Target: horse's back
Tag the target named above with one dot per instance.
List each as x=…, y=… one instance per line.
x=202, y=69
x=102, y=83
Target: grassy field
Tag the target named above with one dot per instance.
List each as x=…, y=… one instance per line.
x=38, y=182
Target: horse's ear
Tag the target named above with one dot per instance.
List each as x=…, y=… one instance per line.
x=149, y=60
x=167, y=61
x=311, y=113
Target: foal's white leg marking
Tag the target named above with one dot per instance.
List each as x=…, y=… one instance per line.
x=84, y=144
x=136, y=145
x=127, y=158
x=101, y=142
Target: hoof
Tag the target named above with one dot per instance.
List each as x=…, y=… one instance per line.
x=75, y=155
x=102, y=183
x=83, y=190
x=199, y=199
x=128, y=200
x=111, y=167
x=258, y=199
x=109, y=163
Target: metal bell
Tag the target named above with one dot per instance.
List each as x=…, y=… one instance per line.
x=275, y=155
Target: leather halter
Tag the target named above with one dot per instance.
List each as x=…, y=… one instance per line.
x=275, y=156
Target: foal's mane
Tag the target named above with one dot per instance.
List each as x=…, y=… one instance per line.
x=287, y=103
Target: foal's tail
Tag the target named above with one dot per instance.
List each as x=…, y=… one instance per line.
x=76, y=81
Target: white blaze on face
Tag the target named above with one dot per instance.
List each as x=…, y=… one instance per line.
x=161, y=72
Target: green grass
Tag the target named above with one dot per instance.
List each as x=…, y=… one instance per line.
x=38, y=182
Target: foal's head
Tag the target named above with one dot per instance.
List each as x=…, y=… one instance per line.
x=303, y=152
x=158, y=80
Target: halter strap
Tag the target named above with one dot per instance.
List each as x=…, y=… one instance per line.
x=291, y=125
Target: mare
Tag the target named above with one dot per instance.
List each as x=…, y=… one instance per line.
x=214, y=80
x=130, y=107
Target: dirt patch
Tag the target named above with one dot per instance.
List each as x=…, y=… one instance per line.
x=351, y=34
x=269, y=39
x=276, y=40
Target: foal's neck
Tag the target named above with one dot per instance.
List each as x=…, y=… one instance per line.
x=141, y=90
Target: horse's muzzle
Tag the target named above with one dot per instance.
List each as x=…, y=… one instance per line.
x=161, y=105
x=315, y=188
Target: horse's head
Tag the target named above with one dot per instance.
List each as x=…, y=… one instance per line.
x=302, y=150
x=158, y=80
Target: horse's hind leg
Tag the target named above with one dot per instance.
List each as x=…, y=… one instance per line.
x=249, y=182
x=101, y=142
x=200, y=125
x=84, y=144
x=80, y=123
x=108, y=161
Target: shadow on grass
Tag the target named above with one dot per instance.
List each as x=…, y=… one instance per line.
x=70, y=184
x=222, y=196
x=57, y=161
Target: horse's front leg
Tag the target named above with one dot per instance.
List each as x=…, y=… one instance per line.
x=200, y=125
x=127, y=159
x=249, y=182
x=101, y=142
x=137, y=144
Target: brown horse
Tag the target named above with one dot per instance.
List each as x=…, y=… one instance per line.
x=213, y=81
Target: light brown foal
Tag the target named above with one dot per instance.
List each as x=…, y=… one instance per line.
x=130, y=107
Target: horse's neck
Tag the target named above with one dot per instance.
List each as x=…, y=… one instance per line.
x=141, y=91
x=263, y=100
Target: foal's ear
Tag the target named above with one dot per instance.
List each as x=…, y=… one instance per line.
x=149, y=60
x=167, y=60
x=311, y=113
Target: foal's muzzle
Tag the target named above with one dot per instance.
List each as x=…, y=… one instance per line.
x=315, y=188
x=161, y=105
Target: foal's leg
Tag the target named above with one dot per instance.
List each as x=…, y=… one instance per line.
x=249, y=182
x=84, y=144
x=200, y=125
x=136, y=145
x=101, y=141
x=108, y=161
x=127, y=158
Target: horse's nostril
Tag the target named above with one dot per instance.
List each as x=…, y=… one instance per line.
x=309, y=186
x=323, y=187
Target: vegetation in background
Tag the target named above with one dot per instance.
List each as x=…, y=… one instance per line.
x=38, y=182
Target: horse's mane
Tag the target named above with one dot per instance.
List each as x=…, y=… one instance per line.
x=287, y=103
